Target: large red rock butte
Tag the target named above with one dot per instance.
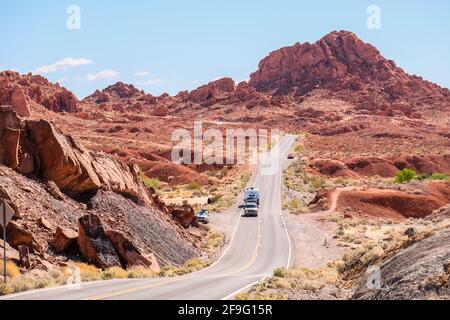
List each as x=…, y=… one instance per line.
x=343, y=63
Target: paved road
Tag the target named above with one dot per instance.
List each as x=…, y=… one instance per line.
x=258, y=246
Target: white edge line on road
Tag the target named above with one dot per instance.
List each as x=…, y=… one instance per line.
x=83, y=284
x=228, y=297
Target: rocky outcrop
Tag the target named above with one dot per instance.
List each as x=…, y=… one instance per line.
x=149, y=229
x=20, y=90
x=94, y=244
x=129, y=254
x=122, y=90
x=421, y=271
x=50, y=154
x=212, y=90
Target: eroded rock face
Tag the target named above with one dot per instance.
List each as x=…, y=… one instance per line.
x=39, y=147
x=418, y=272
x=94, y=244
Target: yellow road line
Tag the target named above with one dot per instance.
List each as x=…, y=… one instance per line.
x=126, y=291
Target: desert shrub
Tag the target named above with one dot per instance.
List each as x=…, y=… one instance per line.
x=317, y=182
x=440, y=176
x=193, y=186
x=12, y=270
x=242, y=296
x=88, y=272
x=245, y=178
x=194, y=264
x=5, y=288
x=280, y=283
x=405, y=175
x=214, y=239
x=299, y=149
x=139, y=272
x=150, y=182
x=114, y=273
x=280, y=272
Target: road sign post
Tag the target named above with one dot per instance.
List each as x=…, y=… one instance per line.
x=7, y=214
x=4, y=243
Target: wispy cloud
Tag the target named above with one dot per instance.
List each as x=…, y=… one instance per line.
x=149, y=82
x=63, y=64
x=142, y=74
x=105, y=74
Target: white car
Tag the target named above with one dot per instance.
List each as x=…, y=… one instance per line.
x=250, y=209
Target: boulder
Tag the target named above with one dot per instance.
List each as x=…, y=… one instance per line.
x=184, y=215
x=11, y=253
x=160, y=111
x=18, y=235
x=63, y=239
x=94, y=244
x=45, y=223
x=129, y=254
x=212, y=90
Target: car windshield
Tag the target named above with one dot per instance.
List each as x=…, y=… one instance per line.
x=250, y=206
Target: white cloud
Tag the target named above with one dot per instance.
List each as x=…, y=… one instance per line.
x=142, y=74
x=149, y=82
x=63, y=64
x=105, y=74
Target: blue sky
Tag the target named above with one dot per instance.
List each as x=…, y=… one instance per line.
x=168, y=46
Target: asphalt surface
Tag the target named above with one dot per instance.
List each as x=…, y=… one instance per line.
x=257, y=247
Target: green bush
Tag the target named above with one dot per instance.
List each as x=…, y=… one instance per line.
x=280, y=272
x=405, y=175
x=439, y=176
x=193, y=186
x=150, y=182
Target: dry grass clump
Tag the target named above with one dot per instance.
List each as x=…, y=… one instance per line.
x=12, y=270
x=114, y=273
x=79, y=272
x=88, y=272
x=192, y=265
x=276, y=287
x=138, y=272
x=295, y=206
x=36, y=279
x=214, y=240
